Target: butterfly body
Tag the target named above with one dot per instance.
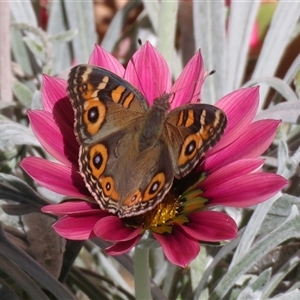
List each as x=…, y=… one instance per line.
x=130, y=152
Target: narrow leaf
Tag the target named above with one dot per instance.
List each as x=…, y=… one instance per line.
x=23, y=93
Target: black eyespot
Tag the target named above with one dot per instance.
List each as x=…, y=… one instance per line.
x=154, y=187
x=108, y=186
x=93, y=114
x=98, y=160
x=189, y=149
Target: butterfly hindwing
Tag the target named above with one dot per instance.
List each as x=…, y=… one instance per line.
x=116, y=175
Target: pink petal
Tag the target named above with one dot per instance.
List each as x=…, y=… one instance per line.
x=56, y=101
x=187, y=87
x=245, y=190
x=112, y=228
x=76, y=228
x=104, y=59
x=240, y=107
x=178, y=247
x=252, y=143
x=51, y=138
x=123, y=247
x=231, y=171
x=210, y=226
x=53, y=89
x=55, y=177
x=148, y=72
x=71, y=208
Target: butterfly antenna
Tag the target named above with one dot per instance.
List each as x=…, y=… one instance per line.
x=197, y=93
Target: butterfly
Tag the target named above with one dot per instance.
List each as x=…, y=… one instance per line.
x=130, y=152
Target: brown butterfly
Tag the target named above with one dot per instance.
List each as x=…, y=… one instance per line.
x=130, y=152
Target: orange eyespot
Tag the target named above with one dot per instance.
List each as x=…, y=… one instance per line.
x=108, y=187
x=189, y=149
x=133, y=199
x=154, y=187
x=94, y=115
x=98, y=157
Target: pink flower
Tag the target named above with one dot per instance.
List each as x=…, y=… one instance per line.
x=230, y=174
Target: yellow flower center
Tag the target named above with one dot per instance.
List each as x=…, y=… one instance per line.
x=174, y=209
x=161, y=218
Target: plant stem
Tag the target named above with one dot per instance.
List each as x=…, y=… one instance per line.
x=141, y=274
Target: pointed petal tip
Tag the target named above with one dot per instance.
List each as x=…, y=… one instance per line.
x=102, y=58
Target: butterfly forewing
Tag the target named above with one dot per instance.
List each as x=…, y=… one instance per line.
x=192, y=130
x=102, y=101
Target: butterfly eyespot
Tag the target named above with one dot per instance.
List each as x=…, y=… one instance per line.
x=133, y=198
x=93, y=114
x=154, y=187
x=98, y=160
x=98, y=157
x=190, y=148
x=108, y=186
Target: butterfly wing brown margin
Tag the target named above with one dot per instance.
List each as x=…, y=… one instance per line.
x=192, y=130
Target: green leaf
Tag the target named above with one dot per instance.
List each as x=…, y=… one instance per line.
x=56, y=24
x=23, y=93
x=35, y=47
x=297, y=83
x=166, y=35
x=209, y=30
x=31, y=267
x=14, y=134
x=254, y=290
x=80, y=16
x=287, y=230
x=252, y=228
x=21, y=278
x=277, y=278
x=63, y=37
x=276, y=41
x=152, y=8
x=278, y=84
x=288, y=112
x=14, y=189
x=224, y=251
x=283, y=156
x=36, y=102
x=240, y=25
x=23, y=12
x=20, y=52
x=293, y=295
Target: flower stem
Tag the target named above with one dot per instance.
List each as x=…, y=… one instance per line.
x=141, y=274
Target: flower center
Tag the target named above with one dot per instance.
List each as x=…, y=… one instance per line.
x=161, y=218
x=174, y=209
